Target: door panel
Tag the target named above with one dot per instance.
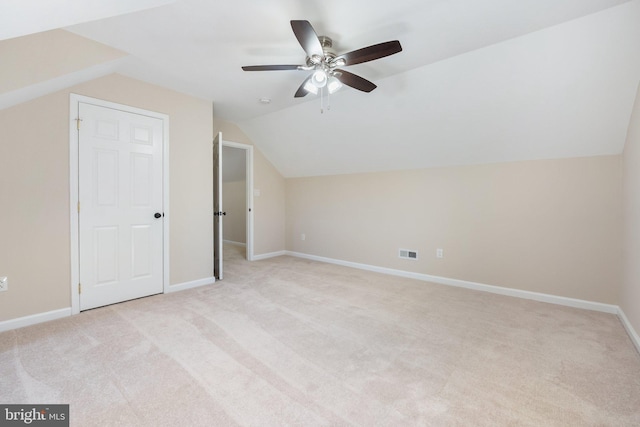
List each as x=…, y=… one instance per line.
x=120, y=190
x=106, y=178
x=141, y=241
x=106, y=254
x=141, y=180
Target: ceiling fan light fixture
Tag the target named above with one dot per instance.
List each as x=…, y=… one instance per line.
x=323, y=62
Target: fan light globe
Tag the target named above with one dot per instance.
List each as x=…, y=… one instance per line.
x=333, y=85
x=309, y=87
x=319, y=78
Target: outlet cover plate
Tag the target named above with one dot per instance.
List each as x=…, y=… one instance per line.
x=4, y=283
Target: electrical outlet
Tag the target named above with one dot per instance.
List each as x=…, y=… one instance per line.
x=4, y=283
x=439, y=253
x=303, y=236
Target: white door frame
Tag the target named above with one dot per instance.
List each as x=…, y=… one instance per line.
x=74, y=101
x=218, y=203
x=249, y=190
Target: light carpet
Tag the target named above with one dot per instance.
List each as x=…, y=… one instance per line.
x=293, y=342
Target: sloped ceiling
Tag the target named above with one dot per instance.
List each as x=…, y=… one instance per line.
x=477, y=82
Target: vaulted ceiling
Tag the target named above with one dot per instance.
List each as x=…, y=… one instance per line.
x=477, y=81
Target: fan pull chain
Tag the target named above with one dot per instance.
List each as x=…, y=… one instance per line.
x=322, y=91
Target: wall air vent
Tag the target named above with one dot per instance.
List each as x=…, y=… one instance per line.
x=407, y=254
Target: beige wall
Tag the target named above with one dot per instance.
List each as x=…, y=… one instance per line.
x=34, y=218
x=551, y=226
x=269, y=207
x=34, y=189
x=234, y=203
x=630, y=295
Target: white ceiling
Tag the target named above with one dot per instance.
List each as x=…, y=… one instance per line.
x=477, y=81
x=22, y=17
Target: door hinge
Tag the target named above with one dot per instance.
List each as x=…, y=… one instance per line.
x=78, y=120
x=78, y=207
x=79, y=288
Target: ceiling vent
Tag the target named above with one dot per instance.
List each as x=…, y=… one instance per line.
x=407, y=254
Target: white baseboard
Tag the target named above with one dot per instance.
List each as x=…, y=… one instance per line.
x=552, y=299
x=189, y=285
x=633, y=335
x=34, y=319
x=269, y=255
x=536, y=296
x=231, y=242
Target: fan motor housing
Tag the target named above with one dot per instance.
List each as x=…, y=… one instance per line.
x=329, y=54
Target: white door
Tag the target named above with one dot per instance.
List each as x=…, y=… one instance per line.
x=120, y=205
x=218, y=213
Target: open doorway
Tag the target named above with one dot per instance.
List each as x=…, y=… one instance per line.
x=237, y=188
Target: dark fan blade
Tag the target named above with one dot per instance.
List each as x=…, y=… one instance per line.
x=370, y=53
x=354, y=81
x=269, y=67
x=307, y=38
x=301, y=90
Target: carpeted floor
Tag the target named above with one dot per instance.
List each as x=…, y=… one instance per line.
x=292, y=342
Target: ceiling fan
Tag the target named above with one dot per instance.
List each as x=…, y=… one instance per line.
x=324, y=62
